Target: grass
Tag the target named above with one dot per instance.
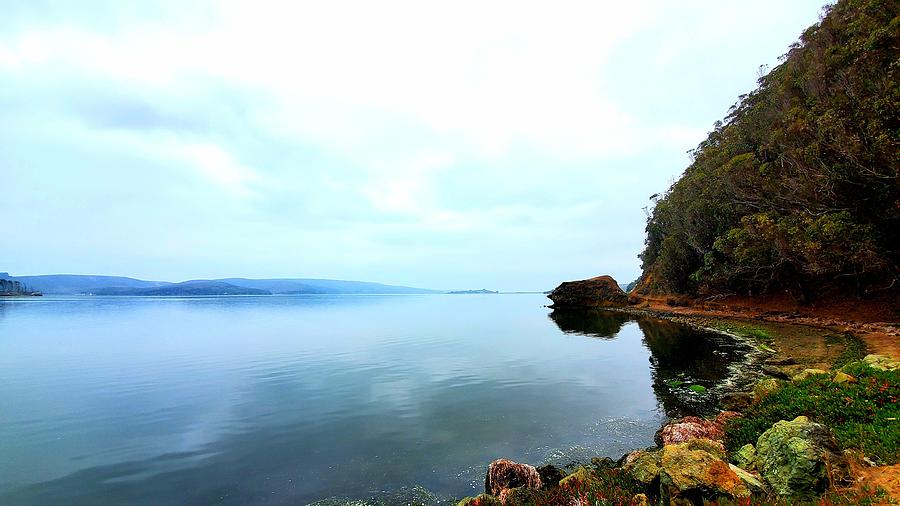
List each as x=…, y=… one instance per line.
x=854, y=349
x=863, y=415
x=603, y=486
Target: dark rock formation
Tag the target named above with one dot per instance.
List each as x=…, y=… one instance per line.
x=602, y=291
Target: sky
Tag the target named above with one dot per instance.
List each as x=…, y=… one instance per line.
x=505, y=145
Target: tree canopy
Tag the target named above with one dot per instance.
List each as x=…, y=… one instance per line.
x=797, y=188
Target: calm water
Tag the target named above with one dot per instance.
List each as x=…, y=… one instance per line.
x=289, y=400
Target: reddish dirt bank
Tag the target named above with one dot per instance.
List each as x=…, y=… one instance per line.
x=876, y=322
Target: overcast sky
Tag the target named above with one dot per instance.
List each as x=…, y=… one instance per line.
x=506, y=145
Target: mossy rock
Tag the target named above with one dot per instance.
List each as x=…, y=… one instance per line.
x=794, y=457
x=481, y=500
x=764, y=387
x=745, y=457
x=644, y=467
x=882, y=362
x=842, y=377
x=696, y=475
x=581, y=475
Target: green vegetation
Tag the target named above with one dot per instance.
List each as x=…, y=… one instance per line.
x=864, y=415
x=854, y=349
x=700, y=389
x=797, y=189
x=595, y=485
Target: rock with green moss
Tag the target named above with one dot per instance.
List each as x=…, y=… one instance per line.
x=581, y=475
x=841, y=377
x=643, y=466
x=764, y=387
x=882, y=362
x=807, y=373
x=695, y=475
x=715, y=448
x=745, y=457
x=481, y=500
x=794, y=457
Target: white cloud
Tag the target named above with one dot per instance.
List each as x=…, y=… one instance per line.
x=407, y=130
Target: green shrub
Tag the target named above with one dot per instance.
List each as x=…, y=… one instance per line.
x=862, y=415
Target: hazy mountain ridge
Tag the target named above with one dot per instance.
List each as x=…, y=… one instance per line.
x=75, y=284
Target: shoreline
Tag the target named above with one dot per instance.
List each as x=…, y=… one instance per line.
x=776, y=355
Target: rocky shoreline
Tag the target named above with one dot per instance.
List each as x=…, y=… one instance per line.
x=792, y=460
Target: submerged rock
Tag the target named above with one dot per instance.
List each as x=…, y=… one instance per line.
x=794, y=457
x=602, y=291
x=505, y=474
x=689, y=474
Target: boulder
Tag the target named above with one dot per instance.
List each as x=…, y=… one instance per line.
x=807, y=373
x=643, y=465
x=550, y=475
x=745, y=457
x=882, y=362
x=694, y=476
x=736, y=401
x=505, y=474
x=689, y=427
x=602, y=291
x=842, y=377
x=794, y=457
x=764, y=387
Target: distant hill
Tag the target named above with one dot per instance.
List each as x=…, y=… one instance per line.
x=470, y=292
x=75, y=284
x=300, y=286
x=183, y=289
x=71, y=284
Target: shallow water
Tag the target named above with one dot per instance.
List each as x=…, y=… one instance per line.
x=292, y=399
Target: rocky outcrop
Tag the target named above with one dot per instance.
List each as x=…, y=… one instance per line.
x=795, y=457
x=550, y=475
x=881, y=362
x=602, y=291
x=691, y=427
x=505, y=474
x=692, y=475
x=643, y=465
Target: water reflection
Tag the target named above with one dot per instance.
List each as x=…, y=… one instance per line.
x=593, y=323
x=288, y=400
x=688, y=365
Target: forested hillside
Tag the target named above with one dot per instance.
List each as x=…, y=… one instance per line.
x=797, y=188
